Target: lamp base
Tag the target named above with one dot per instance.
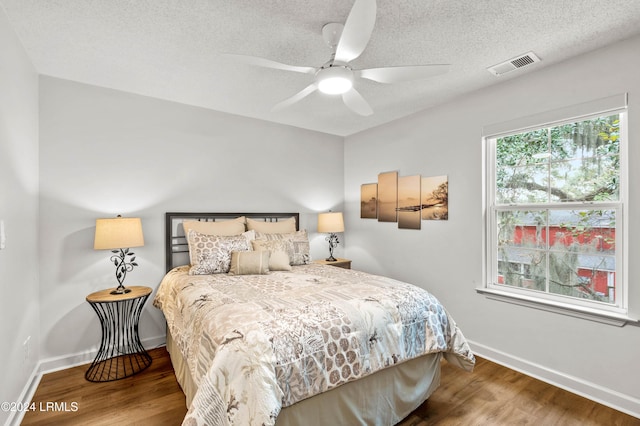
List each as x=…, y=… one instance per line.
x=121, y=290
x=331, y=259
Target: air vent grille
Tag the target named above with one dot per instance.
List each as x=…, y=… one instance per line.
x=513, y=64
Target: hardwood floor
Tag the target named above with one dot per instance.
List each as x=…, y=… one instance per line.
x=152, y=397
x=491, y=395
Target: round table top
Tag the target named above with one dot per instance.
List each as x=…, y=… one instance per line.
x=106, y=296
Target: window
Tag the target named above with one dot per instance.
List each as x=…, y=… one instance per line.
x=555, y=212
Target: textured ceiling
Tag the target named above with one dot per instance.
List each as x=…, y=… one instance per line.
x=170, y=49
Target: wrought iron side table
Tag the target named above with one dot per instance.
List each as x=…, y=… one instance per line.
x=121, y=353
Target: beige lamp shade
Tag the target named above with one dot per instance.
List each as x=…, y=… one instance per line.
x=330, y=222
x=117, y=233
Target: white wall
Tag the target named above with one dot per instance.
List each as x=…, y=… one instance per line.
x=446, y=256
x=19, y=311
x=105, y=152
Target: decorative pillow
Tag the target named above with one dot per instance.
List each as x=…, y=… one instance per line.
x=282, y=226
x=279, y=257
x=250, y=235
x=297, y=245
x=211, y=254
x=224, y=227
x=249, y=262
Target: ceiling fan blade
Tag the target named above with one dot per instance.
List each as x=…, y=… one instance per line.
x=357, y=30
x=403, y=73
x=295, y=98
x=355, y=102
x=267, y=63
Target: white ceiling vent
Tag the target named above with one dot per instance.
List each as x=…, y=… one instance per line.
x=513, y=64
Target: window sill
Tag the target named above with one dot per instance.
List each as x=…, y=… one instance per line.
x=609, y=318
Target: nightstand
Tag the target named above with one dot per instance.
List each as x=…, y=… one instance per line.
x=121, y=353
x=340, y=263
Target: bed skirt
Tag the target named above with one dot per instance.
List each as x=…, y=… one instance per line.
x=383, y=398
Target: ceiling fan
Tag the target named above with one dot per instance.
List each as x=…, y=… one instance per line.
x=336, y=76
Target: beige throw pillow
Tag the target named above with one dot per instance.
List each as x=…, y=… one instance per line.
x=224, y=227
x=280, y=227
x=249, y=262
x=278, y=253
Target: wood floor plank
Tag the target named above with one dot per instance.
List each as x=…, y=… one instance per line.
x=491, y=395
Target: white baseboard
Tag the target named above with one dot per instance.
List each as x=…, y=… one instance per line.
x=63, y=362
x=50, y=365
x=600, y=394
x=15, y=417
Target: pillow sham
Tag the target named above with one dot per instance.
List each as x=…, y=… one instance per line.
x=249, y=262
x=280, y=227
x=224, y=227
x=297, y=245
x=211, y=254
x=278, y=253
x=249, y=235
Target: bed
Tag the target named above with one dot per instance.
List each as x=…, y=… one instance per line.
x=259, y=341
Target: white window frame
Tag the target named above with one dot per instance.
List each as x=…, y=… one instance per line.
x=614, y=313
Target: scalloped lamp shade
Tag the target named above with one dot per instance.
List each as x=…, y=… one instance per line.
x=117, y=233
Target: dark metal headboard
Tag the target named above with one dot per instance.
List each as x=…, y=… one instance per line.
x=176, y=249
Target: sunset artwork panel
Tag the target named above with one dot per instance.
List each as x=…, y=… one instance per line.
x=409, y=202
x=435, y=198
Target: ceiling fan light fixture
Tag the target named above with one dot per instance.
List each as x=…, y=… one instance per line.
x=334, y=80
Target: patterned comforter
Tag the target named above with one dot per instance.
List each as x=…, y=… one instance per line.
x=257, y=343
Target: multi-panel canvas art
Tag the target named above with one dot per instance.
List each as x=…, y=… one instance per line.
x=407, y=200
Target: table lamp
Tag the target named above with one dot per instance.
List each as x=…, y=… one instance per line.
x=331, y=223
x=119, y=235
